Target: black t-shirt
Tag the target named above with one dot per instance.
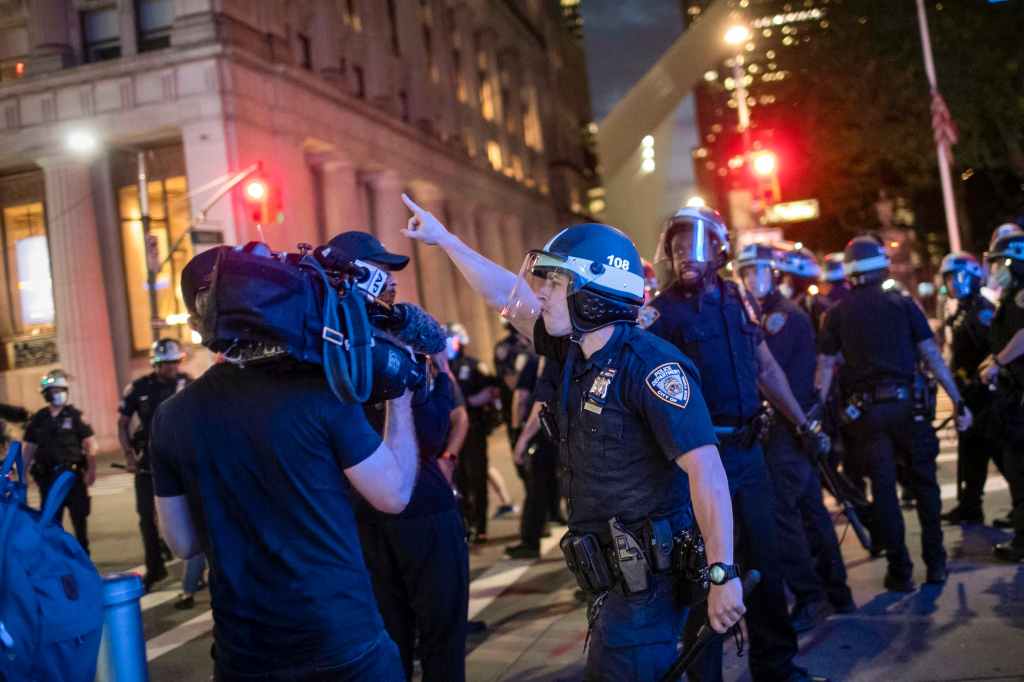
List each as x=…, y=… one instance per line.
x=142, y=397
x=58, y=440
x=432, y=419
x=260, y=455
x=790, y=337
x=877, y=332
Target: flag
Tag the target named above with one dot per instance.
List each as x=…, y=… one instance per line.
x=943, y=127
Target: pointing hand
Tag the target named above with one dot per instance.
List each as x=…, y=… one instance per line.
x=423, y=226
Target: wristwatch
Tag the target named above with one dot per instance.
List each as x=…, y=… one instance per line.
x=720, y=574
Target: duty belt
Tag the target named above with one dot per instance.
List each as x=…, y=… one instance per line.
x=885, y=393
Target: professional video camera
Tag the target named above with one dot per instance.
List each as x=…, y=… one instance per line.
x=263, y=305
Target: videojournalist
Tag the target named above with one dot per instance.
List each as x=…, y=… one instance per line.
x=253, y=464
x=418, y=559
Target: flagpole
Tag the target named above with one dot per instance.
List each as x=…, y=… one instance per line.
x=942, y=147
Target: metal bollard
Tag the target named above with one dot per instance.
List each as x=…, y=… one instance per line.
x=123, y=647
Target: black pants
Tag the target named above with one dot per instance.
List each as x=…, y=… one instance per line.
x=772, y=639
x=77, y=503
x=541, y=480
x=804, y=525
x=885, y=435
x=145, y=506
x=975, y=447
x=1010, y=411
x=420, y=572
x=471, y=479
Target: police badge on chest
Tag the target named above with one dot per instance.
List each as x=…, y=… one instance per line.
x=598, y=394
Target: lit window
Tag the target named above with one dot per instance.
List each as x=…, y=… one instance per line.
x=27, y=263
x=486, y=99
x=169, y=221
x=494, y=154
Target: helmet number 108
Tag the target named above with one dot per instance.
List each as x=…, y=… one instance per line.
x=616, y=262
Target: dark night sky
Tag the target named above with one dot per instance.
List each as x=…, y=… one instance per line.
x=623, y=39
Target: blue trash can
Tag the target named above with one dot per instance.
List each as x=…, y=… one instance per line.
x=123, y=647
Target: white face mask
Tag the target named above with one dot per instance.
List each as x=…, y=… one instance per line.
x=58, y=398
x=1002, y=278
x=786, y=289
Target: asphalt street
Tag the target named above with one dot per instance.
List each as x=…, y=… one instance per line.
x=972, y=628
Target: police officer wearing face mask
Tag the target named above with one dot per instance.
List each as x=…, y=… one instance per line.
x=141, y=398
x=800, y=271
x=630, y=419
x=969, y=327
x=716, y=325
x=799, y=511
x=57, y=439
x=882, y=335
x=1005, y=368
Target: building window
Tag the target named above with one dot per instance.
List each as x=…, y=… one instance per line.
x=531, y=120
x=305, y=52
x=494, y=154
x=27, y=268
x=155, y=18
x=351, y=17
x=393, y=23
x=486, y=98
x=169, y=223
x=461, y=92
x=101, y=34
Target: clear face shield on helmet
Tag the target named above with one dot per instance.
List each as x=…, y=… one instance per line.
x=543, y=288
x=758, y=279
x=691, y=247
x=999, y=274
x=960, y=284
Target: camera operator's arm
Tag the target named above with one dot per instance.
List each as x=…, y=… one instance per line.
x=176, y=526
x=487, y=278
x=386, y=478
x=173, y=514
x=28, y=452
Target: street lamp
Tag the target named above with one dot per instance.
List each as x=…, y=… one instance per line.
x=737, y=35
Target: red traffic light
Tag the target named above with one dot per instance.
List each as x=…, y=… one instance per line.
x=764, y=163
x=256, y=190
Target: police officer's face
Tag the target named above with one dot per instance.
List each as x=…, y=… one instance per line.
x=757, y=279
x=167, y=370
x=686, y=269
x=554, y=304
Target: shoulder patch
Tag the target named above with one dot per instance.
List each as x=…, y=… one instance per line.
x=774, y=323
x=668, y=382
x=985, y=316
x=647, y=316
x=1019, y=299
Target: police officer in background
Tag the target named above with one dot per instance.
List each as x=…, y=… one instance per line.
x=56, y=440
x=630, y=420
x=800, y=513
x=881, y=335
x=1005, y=368
x=800, y=271
x=714, y=323
x=970, y=345
x=141, y=398
x=480, y=393
x=511, y=356
x=833, y=286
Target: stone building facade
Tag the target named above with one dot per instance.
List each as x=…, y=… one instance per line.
x=476, y=108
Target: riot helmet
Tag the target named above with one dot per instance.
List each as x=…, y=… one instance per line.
x=1007, y=261
x=800, y=269
x=832, y=272
x=865, y=261
x=166, y=351
x=54, y=387
x=756, y=268
x=695, y=242
x=457, y=339
x=598, y=268
x=962, y=275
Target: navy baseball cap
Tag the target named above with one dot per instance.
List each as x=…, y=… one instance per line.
x=353, y=245
x=198, y=275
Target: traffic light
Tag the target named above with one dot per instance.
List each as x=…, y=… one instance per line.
x=765, y=167
x=263, y=201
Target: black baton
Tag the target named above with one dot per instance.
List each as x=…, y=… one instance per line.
x=705, y=635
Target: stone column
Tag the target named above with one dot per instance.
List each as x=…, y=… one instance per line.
x=207, y=158
x=83, y=321
x=438, y=282
x=343, y=209
x=513, y=238
x=473, y=309
x=390, y=216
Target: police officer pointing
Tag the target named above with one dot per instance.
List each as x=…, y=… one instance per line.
x=881, y=335
x=713, y=322
x=141, y=398
x=630, y=420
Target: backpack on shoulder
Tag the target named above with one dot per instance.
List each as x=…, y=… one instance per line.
x=51, y=597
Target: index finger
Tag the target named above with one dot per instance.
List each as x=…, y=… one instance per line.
x=411, y=205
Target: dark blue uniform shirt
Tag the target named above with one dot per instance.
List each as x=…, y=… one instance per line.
x=260, y=455
x=877, y=332
x=790, y=337
x=633, y=407
x=1008, y=319
x=141, y=398
x=718, y=332
x=432, y=420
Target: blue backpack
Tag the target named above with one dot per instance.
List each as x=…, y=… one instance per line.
x=51, y=597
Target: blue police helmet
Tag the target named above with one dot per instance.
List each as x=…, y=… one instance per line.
x=963, y=274
x=865, y=260
x=799, y=263
x=833, y=268
x=607, y=273
x=755, y=254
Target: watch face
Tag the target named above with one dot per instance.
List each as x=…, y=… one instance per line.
x=717, y=574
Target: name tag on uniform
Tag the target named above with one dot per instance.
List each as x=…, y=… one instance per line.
x=598, y=394
x=592, y=407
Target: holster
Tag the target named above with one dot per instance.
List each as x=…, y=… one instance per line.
x=587, y=562
x=689, y=564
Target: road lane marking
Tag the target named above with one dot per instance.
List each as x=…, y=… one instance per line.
x=176, y=637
